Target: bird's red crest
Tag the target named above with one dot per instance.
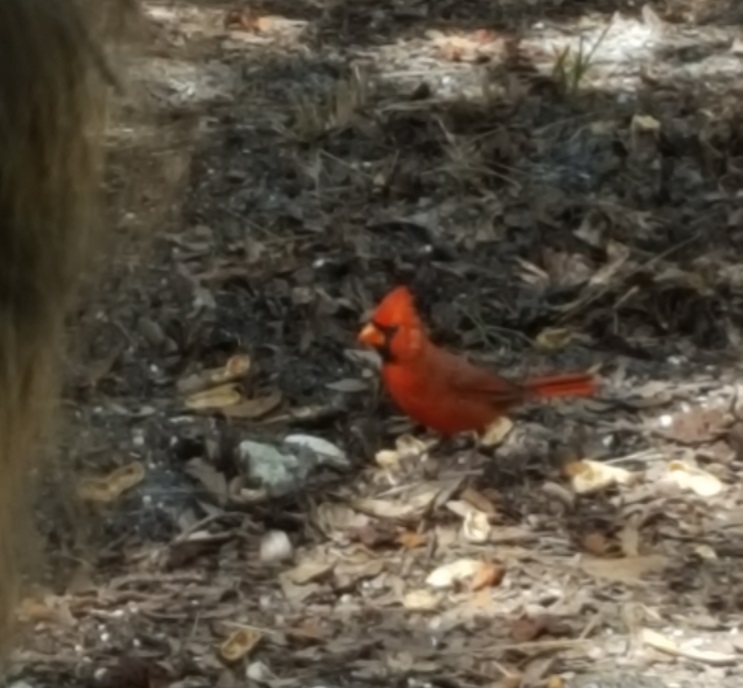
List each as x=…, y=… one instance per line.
x=396, y=308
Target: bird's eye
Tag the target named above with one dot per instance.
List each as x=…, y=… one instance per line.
x=389, y=331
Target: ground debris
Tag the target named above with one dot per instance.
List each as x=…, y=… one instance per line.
x=254, y=508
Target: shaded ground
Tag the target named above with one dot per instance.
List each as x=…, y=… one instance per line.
x=273, y=173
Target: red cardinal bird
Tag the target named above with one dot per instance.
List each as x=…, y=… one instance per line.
x=440, y=390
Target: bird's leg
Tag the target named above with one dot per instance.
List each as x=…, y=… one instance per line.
x=438, y=450
x=456, y=446
x=453, y=450
x=476, y=440
x=477, y=445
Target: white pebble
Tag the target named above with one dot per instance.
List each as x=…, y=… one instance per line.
x=276, y=546
x=258, y=672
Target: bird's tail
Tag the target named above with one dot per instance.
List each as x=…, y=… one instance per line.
x=565, y=385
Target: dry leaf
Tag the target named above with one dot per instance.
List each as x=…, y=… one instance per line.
x=536, y=669
x=406, y=447
x=496, y=432
x=387, y=458
x=489, y=575
x=532, y=274
x=52, y=609
x=363, y=357
x=478, y=500
x=348, y=385
x=526, y=629
x=566, y=269
x=512, y=681
x=503, y=534
x=326, y=452
x=618, y=254
x=529, y=628
x=476, y=526
x=628, y=570
x=592, y=229
x=448, y=575
x=237, y=367
x=589, y=476
x=421, y=601
x=629, y=538
x=411, y=510
x=695, y=479
x=99, y=369
x=658, y=641
x=308, y=629
x=380, y=508
x=664, y=644
x=81, y=581
x=410, y=446
x=645, y=123
x=295, y=594
x=310, y=572
x=695, y=425
x=459, y=507
x=330, y=517
x=374, y=535
x=705, y=552
x=553, y=339
x=215, y=398
x=596, y=543
x=240, y=644
x=252, y=409
x=110, y=487
x=210, y=478
x=410, y=540
x=560, y=493
x=349, y=574
x=34, y=611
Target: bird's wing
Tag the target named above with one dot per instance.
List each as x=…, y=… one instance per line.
x=464, y=378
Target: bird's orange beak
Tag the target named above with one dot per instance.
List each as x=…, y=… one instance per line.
x=371, y=336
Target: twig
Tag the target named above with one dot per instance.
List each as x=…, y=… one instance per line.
x=643, y=455
x=535, y=645
x=149, y=578
x=581, y=304
x=205, y=522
